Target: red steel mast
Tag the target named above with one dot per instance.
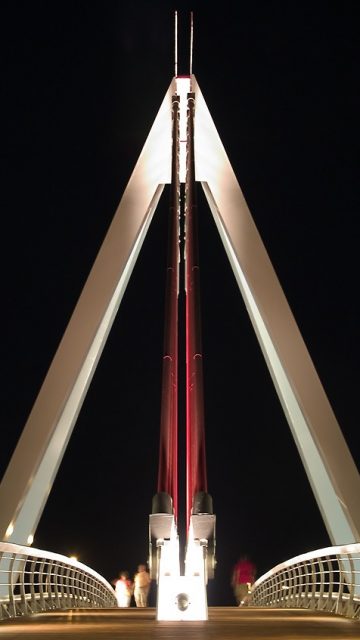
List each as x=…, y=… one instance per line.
x=196, y=479
x=168, y=454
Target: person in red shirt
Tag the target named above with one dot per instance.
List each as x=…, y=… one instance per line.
x=243, y=577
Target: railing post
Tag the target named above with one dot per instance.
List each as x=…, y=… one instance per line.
x=22, y=585
x=41, y=584
x=56, y=585
x=12, y=605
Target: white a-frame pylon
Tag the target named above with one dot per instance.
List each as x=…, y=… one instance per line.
x=325, y=455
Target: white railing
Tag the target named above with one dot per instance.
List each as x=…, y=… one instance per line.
x=327, y=579
x=32, y=580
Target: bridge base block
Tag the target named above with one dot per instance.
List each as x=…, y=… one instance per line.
x=181, y=597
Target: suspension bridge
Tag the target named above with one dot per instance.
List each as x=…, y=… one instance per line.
x=320, y=590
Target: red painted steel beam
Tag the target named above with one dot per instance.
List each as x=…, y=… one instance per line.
x=196, y=479
x=168, y=454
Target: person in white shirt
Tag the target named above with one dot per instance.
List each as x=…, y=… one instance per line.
x=123, y=589
x=142, y=582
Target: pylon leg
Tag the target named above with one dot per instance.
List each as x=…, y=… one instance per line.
x=327, y=460
x=33, y=467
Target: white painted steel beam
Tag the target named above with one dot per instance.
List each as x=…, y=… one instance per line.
x=33, y=467
x=327, y=460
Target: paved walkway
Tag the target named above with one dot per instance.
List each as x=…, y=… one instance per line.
x=225, y=623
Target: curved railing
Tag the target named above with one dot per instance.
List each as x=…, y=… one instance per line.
x=32, y=580
x=327, y=579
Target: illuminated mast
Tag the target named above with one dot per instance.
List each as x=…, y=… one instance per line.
x=183, y=170
x=168, y=453
x=196, y=479
x=182, y=597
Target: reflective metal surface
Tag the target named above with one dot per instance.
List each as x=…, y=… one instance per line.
x=33, y=581
x=325, y=580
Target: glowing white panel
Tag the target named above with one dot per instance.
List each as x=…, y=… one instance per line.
x=181, y=597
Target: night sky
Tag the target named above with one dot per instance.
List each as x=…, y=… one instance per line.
x=81, y=85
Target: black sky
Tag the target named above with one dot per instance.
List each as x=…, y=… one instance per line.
x=81, y=85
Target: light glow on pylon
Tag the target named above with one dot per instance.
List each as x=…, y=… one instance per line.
x=183, y=87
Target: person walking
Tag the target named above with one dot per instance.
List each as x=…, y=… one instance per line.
x=242, y=579
x=142, y=582
x=123, y=589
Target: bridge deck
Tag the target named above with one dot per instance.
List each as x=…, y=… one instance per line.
x=140, y=624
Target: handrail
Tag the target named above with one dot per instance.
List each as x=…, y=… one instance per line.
x=32, y=580
x=327, y=579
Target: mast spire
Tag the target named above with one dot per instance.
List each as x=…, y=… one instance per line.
x=176, y=44
x=191, y=39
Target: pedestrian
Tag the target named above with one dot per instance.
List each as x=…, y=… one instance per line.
x=123, y=589
x=242, y=579
x=142, y=582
